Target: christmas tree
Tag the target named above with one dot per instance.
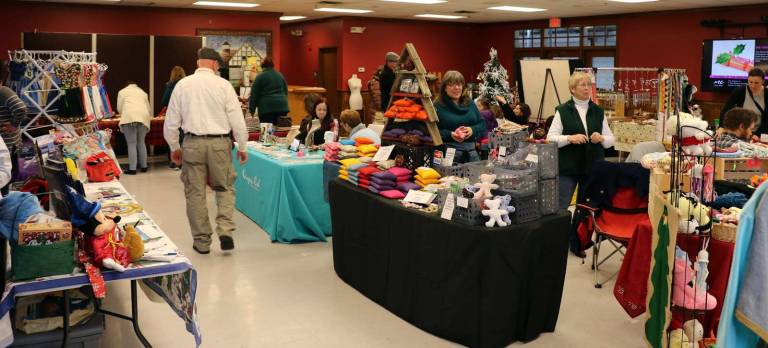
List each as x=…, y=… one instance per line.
x=494, y=79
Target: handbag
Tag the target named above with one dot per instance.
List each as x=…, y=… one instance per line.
x=100, y=168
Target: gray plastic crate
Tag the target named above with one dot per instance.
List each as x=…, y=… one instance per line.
x=508, y=140
x=455, y=170
x=548, y=196
x=522, y=181
x=469, y=216
x=546, y=155
x=526, y=207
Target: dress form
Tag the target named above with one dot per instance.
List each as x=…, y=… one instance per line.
x=355, y=98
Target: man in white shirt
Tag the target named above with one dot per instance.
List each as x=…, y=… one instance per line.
x=206, y=108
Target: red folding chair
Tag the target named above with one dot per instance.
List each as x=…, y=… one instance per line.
x=615, y=224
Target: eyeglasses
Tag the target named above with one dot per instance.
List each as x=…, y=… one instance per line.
x=455, y=85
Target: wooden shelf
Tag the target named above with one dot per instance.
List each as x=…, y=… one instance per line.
x=410, y=95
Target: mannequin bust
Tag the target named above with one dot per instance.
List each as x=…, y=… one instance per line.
x=355, y=98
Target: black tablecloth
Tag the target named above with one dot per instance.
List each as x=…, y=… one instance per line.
x=472, y=285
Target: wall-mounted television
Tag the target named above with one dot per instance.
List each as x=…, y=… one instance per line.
x=725, y=63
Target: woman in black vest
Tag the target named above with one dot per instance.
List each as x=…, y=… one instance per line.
x=581, y=133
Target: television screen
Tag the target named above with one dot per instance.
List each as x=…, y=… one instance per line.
x=725, y=63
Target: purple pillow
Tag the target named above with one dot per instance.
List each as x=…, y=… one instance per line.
x=399, y=171
x=407, y=186
x=384, y=176
x=416, y=132
x=382, y=187
x=384, y=181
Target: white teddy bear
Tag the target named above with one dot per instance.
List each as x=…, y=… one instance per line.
x=494, y=213
x=695, y=137
x=485, y=186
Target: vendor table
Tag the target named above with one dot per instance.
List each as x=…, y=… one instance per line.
x=628, y=134
x=283, y=193
x=631, y=286
x=175, y=280
x=477, y=286
x=154, y=136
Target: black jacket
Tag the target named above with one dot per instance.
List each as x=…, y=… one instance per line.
x=386, y=81
x=509, y=114
x=737, y=100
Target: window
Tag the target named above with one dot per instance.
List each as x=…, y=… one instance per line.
x=604, y=77
x=562, y=37
x=528, y=38
x=600, y=36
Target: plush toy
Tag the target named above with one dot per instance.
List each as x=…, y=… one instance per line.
x=505, y=200
x=485, y=186
x=677, y=339
x=494, y=213
x=104, y=240
x=134, y=242
x=695, y=137
x=693, y=330
x=694, y=216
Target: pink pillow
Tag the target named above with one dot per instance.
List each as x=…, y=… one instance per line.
x=392, y=194
x=399, y=171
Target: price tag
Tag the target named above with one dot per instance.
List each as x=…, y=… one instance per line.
x=502, y=151
x=764, y=138
x=420, y=197
x=462, y=202
x=532, y=158
x=448, y=206
x=383, y=153
x=295, y=145
x=450, y=153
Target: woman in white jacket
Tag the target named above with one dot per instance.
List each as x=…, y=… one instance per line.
x=135, y=115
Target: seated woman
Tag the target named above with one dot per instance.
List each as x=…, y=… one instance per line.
x=350, y=122
x=738, y=125
x=519, y=114
x=460, y=122
x=581, y=133
x=313, y=127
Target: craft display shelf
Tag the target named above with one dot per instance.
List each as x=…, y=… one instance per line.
x=738, y=169
x=407, y=58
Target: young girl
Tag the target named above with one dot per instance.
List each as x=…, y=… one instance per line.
x=313, y=127
x=489, y=116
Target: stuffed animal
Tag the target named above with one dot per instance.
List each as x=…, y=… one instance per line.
x=678, y=339
x=694, y=216
x=134, y=242
x=494, y=213
x=693, y=330
x=505, y=200
x=695, y=137
x=105, y=242
x=485, y=186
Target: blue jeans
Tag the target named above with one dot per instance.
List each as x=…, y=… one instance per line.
x=134, y=137
x=465, y=152
x=567, y=185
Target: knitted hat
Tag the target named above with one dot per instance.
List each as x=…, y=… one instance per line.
x=392, y=57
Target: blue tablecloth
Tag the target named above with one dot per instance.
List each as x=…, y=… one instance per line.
x=284, y=196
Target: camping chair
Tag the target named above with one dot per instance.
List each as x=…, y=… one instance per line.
x=611, y=218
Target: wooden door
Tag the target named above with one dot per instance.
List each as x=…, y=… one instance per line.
x=328, y=78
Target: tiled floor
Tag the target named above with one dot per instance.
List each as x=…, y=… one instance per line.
x=275, y=295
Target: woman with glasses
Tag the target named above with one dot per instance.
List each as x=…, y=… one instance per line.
x=581, y=133
x=460, y=122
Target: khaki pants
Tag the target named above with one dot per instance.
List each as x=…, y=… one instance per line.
x=204, y=160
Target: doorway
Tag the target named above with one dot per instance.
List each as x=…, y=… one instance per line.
x=328, y=78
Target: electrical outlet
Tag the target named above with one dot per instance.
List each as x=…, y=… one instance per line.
x=361, y=69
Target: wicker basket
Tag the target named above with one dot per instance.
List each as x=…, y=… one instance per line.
x=724, y=232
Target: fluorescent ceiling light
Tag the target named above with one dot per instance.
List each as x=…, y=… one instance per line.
x=439, y=16
x=341, y=10
x=224, y=4
x=423, y=2
x=633, y=1
x=516, y=9
x=291, y=18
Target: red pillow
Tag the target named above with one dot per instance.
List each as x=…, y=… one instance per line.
x=392, y=194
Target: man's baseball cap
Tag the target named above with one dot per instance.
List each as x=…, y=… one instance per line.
x=209, y=53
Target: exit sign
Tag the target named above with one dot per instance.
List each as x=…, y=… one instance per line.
x=555, y=22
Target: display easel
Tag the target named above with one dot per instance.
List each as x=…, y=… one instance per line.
x=43, y=63
x=547, y=77
x=409, y=58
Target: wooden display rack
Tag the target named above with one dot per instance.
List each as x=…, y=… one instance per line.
x=737, y=169
x=409, y=58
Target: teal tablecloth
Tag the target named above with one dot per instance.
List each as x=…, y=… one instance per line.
x=284, y=197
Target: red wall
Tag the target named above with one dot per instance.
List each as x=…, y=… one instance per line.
x=300, y=53
x=441, y=46
x=662, y=39
x=18, y=17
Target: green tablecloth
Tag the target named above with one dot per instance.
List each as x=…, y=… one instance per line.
x=284, y=195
